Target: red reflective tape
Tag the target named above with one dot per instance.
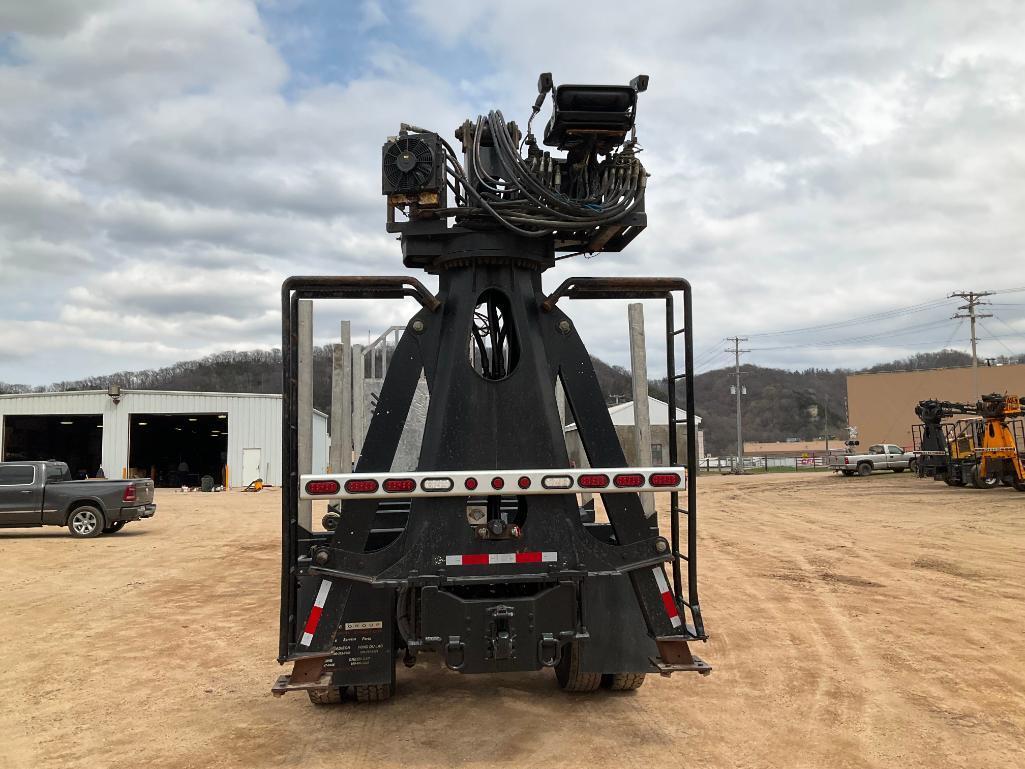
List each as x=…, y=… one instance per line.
x=477, y=559
x=534, y=557
x=670, y=604
x=313, y=621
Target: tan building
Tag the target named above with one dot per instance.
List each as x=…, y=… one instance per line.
x=791, y=448
x=882, y=406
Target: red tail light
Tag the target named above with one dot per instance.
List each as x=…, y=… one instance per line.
x=628, y=480
x=593, y=481
x=393, y=485
x=322, y=487
x=497, y=483
x=129, y=495
x=523, y=482
x=470, y=483
x=368, y=486
x=665, y=479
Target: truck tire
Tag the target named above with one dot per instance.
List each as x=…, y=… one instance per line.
x=115, y=527
x=847, y=473
x=982, y=483
x=898, y=469
x=569, y=675
x=85, y=522
x=864, y=469
x=373, y=692
x=332, y=696
x=913, y=466
x=623, y=682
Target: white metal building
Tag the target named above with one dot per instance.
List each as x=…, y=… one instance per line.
x=623, y=419
x=174, y=437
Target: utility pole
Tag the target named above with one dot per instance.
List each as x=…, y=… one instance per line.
x=973, y=300
x=736, y=357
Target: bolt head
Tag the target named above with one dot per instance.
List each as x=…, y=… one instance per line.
x=482, y=532
x=564, y=326
x=661, y=546
x=321, y=557
x=496, y=526
x=418, y=326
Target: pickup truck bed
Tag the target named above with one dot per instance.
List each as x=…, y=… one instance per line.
x=883, y=456
x=43, y=494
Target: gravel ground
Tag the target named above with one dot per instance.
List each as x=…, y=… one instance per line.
x=855, y=622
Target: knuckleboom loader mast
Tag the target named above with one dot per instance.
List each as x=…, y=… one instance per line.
x=981, y=451
x=481, y=554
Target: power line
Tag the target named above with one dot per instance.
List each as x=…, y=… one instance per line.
x=992, y=336
x=880, y=315
x=861, y=338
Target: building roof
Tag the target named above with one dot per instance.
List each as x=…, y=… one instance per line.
x=125, y=392
x=658, y=414
x=790, y=447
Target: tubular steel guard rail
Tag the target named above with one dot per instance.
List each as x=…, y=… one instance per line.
x=662, y=288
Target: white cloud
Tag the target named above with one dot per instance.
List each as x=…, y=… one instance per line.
x=162, y=167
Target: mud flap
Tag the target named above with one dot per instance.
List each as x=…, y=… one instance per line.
x=364, y=645
x=618, y=642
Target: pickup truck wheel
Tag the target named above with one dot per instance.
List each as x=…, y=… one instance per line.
x=115, y=527
x=864, y=469
x=913, y=466
x=847, y=473
x=85, y=522
x=898, y=469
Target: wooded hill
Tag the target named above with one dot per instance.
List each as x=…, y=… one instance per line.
x=779, y=404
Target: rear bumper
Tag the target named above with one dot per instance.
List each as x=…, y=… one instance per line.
x=136, y=513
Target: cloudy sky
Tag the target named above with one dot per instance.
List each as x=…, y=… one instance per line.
x=164, y=165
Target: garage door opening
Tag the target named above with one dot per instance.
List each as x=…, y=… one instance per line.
x=178, y=449
x=76, y=439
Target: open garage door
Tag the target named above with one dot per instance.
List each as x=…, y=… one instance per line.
x=76, y=439
x=178, y=449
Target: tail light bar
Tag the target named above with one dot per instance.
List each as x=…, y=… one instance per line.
x=528, y=482
x=129, y=494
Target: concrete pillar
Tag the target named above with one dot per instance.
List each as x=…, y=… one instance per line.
x=305, y=392
x=642, y=420
x=341, y=403
x=359, y=410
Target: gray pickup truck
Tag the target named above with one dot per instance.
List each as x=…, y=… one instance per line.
x=882, y=456
x=43, y=494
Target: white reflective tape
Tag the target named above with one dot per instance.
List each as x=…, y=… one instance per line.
x=307, y=639
x=660, y=580
x=325, y=588
x=494, y=559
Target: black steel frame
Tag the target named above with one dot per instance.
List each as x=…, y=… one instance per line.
x=575, y=288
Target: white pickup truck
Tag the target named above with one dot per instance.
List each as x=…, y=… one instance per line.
x=881, y=456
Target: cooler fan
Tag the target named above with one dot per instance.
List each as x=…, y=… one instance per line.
x=411, y=164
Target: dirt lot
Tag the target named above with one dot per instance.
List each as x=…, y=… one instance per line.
x=855, y=623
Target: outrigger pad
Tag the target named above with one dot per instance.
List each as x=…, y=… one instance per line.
x=307, y=673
